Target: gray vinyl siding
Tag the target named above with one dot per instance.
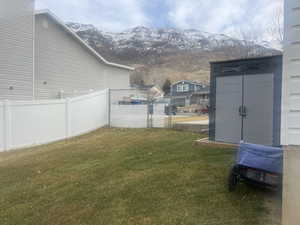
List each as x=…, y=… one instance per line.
x=291, y=79
x=62, y=63
x=16, y=54
x=117, y=78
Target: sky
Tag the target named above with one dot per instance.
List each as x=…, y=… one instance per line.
x=218, y=16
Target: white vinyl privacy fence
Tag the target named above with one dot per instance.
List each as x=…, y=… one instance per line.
x=28, y=123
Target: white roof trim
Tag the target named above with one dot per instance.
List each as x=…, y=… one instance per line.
x=71, y=32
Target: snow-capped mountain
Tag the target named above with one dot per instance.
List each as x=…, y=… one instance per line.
x=165, y=52
x=160, y=40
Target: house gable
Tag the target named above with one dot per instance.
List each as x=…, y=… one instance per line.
x=63, y=64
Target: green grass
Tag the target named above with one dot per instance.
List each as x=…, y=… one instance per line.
x=119, y=176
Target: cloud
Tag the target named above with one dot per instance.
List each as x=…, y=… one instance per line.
x=109, y=15
x=210, y=16
x=218, y=16
x=223, y=16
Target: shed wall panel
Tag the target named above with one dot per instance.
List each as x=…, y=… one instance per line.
x=228, y=100
x=259, y=103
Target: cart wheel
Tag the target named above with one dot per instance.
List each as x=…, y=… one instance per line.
x=233, y=180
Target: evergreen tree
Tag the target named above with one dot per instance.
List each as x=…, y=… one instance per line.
x=167, y=87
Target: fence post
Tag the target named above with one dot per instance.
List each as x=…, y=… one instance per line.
x=109, y=107
x=169, y=111
x=7, y=125
x=68, y=118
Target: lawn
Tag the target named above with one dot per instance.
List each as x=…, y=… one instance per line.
x=120, y=176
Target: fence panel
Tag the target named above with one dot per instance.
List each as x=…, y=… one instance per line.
x=189, y=112
x=35, y=122
x=128, y=108
x=133, y=108
x=2, y=126
x=28, y=123
x=159, y=119
x=128, y=116
x=88, y=113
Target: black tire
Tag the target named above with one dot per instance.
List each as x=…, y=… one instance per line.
x=233, y=180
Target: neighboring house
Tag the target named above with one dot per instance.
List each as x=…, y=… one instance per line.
x=64, y=65
x=186, y=93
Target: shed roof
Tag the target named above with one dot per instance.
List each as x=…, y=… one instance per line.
x=77, y=38
x=246, y=59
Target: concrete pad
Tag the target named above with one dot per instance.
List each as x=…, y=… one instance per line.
x=197, y=122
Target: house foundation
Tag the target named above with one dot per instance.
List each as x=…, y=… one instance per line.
x=291, y=186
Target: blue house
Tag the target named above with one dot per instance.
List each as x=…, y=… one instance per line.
x=186, y=93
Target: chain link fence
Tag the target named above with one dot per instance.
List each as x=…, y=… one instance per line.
x=140, y=108
x=134, y=108
x=189, y=112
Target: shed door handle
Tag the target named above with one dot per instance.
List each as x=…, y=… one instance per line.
x=240, y=110
x=243, y=111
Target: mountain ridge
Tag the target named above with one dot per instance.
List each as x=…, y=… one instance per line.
x=171, y=53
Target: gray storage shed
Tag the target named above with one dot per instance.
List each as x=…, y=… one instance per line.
x=245, y=100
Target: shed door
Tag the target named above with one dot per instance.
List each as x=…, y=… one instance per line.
x=228, y=123
x=258, y=100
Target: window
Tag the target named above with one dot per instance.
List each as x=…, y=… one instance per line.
x=179, y=88
x=183, y=87
x=186, y=88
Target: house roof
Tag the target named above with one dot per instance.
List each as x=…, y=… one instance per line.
x=77, y=38
x=188, y=81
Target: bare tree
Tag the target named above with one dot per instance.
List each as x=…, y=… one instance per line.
x=276, y=28
x=250, y=41
x=137, y=78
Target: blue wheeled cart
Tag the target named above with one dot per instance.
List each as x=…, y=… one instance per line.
x=258, y=165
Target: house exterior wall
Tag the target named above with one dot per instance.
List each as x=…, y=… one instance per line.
x=16, y=49
x=291, y=81
x=117, y=78
x=192, y=88
x=291, y=114
x=63, y=64
x=197, y=94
